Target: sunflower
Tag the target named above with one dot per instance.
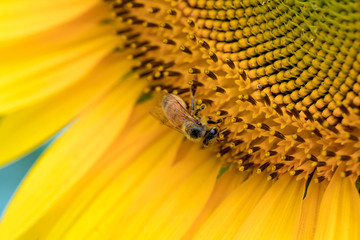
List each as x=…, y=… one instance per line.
x=279, y=80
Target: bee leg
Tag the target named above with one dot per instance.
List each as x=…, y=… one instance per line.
x=202, y=107
x=193, y=88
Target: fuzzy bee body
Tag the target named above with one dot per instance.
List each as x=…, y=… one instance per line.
x=175, y=115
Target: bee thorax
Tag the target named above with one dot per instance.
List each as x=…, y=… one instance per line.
x=194, y=131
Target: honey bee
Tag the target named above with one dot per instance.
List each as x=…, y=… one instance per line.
x=174, y=114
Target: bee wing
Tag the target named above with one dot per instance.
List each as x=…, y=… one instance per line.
x=182, y=112
x=158, y=114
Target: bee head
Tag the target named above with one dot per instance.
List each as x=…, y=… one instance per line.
x=211, y=136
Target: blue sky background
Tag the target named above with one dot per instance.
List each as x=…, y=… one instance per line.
x=11, y=175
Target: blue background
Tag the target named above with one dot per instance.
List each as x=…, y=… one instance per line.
x=11, y=175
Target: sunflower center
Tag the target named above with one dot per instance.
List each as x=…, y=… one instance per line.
x=280, y=77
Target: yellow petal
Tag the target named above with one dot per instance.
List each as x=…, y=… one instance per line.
x=225, y=185
x=233, y=211
x=73, y=64
x=118, y=191
x=57, y=174
x=339, y=215
x=58, y=39
x=277, y=214
x=136, y=137
x=172, y=218
x=31, y=70
x=310, y=210
x=22, y=17
x=133, y=196
x=157, y=192
x=23, y=130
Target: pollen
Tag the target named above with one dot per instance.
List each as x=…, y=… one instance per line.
x=282, y=77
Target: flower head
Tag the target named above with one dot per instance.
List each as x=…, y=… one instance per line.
x=280, y=79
